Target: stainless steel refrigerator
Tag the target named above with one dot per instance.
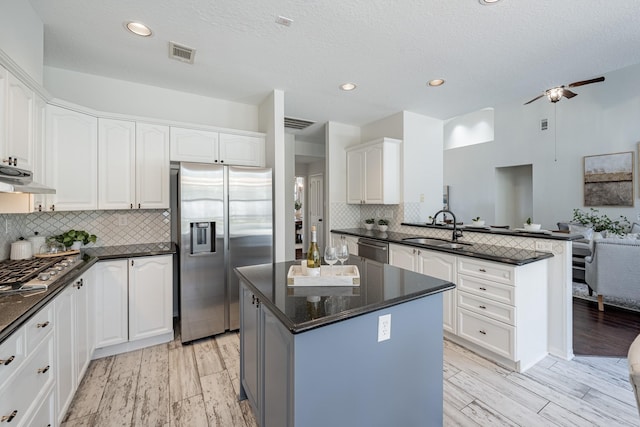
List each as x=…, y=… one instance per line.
x=225, y=221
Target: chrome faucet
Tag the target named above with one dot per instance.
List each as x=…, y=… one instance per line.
x=456, y=233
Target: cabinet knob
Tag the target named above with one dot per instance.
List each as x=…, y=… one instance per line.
x=482, y=332
x=253, y=299
x=9, y=417
x=10, y=161
x=53, y=208
x=40, y=208
x=43, y=370
x=42, y=325
x=482, y=307
x=482, y=270
x=5, y=362
x=131, y=263
x=482, y=288
x=138, y=205
x=131, y=206
x=221, y=161
x=414, y=251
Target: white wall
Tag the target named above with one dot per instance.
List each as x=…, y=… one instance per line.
x=422, y=167
x=123, y=97
x=473, y=128
x=22, y=37
x=602, y=119
x=272, y=124
x=339, y=214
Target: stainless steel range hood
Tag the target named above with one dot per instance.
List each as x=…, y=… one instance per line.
x=14, y=180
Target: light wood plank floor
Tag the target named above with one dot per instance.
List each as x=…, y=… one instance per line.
x=197, y=385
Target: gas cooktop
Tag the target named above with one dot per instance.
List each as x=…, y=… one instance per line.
x=33, y=273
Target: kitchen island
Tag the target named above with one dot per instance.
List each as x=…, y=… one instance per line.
x=313, y=356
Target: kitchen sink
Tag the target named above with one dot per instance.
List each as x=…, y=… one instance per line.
x=436, y=242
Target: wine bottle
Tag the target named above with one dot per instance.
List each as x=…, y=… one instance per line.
x=313, y=255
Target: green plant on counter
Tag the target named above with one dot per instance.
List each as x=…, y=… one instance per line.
x=71, y=236
x=383, y=222
x=475, y=219
x=370, y=221
x=528, y=221
x=297, y=205
x=601, y=222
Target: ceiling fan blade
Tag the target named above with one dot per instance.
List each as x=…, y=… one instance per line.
x=534, y=99
x=586, y=82
x=568, y=94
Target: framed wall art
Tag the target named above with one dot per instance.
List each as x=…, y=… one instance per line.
x=608, y=179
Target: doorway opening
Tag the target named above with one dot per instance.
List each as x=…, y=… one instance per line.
x=298, y=217
x=514, y=195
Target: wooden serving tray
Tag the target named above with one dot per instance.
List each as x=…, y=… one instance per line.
x=65, y=253
x=347, y=275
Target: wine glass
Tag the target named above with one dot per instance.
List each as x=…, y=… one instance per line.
x=330, y=256
x=342, y=252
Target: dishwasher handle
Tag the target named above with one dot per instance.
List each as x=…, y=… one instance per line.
x=376, y=247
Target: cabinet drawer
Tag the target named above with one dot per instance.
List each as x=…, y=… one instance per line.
x=17, y=395
x=38, y=327
x=483, y=306
x=495, y=336
x=485, y=288
x=12, y=354
x=44, y=413
x=486, y=270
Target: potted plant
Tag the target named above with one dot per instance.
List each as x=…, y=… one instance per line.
x=368, y=223
x=477, y=222
x=75, y=238
x=383, y=224
x=297, y=205
x=529, y=225
x=601, y=222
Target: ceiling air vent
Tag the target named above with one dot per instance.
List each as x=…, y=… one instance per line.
x=181, y=53
x=299, y=124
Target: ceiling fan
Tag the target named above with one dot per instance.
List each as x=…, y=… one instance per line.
x=555, y=94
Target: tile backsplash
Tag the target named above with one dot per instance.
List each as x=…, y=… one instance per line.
x=112, y=227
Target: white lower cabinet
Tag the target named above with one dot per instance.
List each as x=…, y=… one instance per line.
x=26, y=388
x=498, y=310
x=72, y=344
x=435, y=264
x=134, y=300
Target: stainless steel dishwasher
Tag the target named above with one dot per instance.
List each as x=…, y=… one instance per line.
x=373, y=254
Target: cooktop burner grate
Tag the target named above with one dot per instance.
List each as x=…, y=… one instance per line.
x=14, y=272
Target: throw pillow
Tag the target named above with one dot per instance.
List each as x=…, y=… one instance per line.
x=587, y=232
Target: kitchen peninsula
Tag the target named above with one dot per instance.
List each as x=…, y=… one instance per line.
x=313, y=356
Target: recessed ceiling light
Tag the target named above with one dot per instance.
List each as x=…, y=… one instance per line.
x=436, y=82
x=138, y=28
x=348, y=86
x=488, y=2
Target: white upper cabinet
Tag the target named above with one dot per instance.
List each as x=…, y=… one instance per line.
x=71, y=155
x=40, y=166
x=152, y=166
x=191, y=145
x=241, y=150
x=20, y=129
x=133, y=165
x=373, y=172
x=116, y=164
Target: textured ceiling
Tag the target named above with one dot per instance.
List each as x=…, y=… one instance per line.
x=488, y=55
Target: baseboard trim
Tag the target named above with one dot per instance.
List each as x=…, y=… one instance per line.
x=132, y=345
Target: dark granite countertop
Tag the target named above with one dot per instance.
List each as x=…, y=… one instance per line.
x=17, y=309
x=132, y=251
x=304, y=308
x=542, y=234
x=503, y=254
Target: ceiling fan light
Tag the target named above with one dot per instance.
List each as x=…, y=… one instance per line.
x=555, y=94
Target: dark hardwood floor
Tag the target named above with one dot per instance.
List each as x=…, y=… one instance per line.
x=603, y=333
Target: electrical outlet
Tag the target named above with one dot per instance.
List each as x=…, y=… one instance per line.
x=384, y=327
x=122, y=219
x=544, y=246
x=422, y=198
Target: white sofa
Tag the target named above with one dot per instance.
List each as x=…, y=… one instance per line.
x=613, y=269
